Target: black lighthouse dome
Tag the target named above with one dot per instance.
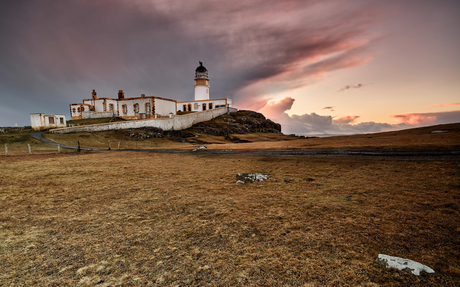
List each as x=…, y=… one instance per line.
x=201, y=72
x=201, y=68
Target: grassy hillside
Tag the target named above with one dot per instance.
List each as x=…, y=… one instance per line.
x=440, y=137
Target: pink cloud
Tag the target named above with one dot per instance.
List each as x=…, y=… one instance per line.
x=444, y=105
x=276, y=109
x=346, y=119
x=415, y=119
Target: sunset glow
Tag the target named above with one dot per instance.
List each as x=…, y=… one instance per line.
x=379, y=65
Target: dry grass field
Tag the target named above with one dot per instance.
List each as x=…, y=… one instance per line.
x=150, y=219
x=413, y=139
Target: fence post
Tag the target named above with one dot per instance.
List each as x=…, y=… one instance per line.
x=78, y=146
x=118, y=145
x=59, y=148
x=109, y=145
x=6, y=150
x=30, y=150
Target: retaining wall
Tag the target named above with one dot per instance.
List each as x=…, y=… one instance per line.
x=96, y=115
x=167, y=124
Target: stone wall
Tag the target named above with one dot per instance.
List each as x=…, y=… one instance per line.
x=96, y=115
x=167, y=124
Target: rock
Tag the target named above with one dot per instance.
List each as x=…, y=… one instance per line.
x=403, y=264
x=287, y=180
x=200, y=147
x=240, y=181
x=439, y=131
x=251, y=177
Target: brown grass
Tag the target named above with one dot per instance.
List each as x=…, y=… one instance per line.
x=16, y=142
x=137, y=218
x=412, y=139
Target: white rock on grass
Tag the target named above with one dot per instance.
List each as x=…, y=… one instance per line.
x=402, y=264
x=200, y=147
x=251, y=177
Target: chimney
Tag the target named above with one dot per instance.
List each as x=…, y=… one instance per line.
x=142, y=96
x=121, y=95
x=94, y=95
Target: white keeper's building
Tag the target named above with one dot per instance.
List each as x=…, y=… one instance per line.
x=148, y=107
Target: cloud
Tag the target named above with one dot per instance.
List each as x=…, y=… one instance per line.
x=58, y=51
x=313, y=123
x=415, y=119
x=274, y=109
x=347, y=87
x=418, y=119
x=346, y=119
x=444, y=105
x=329, y=108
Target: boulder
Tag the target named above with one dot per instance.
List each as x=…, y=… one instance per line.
x=200, y=147
x=251, y=177
x=403, y=264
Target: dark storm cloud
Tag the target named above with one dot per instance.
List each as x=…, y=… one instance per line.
x=55, y=52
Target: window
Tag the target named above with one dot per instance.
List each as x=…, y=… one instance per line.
x=136, y=108
x=147, y=108
x=184, y=107
x=189, y=107
x=62, y=121
x=51, y=120
x=210, y=106
x=73, y=110
x=125, y=109
x=78, y=109
x=195, y=106
x=111, y=107
x=204, y=107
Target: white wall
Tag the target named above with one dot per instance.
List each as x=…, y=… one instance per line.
x=201, y=93
x=41, y=121
x=216, y=102
x=164, y=107
x=167, y=124
x=130, y=106
x=97, y=115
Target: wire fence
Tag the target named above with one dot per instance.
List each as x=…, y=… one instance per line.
x=10, y=149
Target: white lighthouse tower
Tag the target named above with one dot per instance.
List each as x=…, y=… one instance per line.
x=201, y=83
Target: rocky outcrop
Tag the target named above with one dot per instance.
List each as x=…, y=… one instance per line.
x=240, y=122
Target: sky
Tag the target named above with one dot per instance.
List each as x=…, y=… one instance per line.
x=315, y=66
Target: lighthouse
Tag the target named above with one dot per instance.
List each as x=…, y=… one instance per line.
x=201, y=83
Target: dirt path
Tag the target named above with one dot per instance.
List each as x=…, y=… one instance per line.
x=324, y=152
x=39, y=136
